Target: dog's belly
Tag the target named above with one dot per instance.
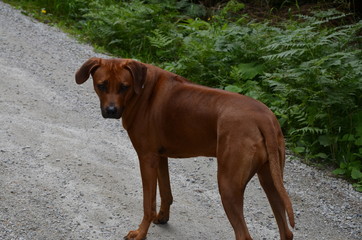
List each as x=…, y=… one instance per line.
x=191, y=143
x=185, y=140
x=187, y=151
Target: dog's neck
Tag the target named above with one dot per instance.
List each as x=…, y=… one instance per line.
x=156, y=84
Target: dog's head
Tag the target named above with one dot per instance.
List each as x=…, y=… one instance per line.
x=116, y=81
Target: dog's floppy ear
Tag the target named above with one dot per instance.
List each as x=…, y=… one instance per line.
x=86, y=69
x=138, y=71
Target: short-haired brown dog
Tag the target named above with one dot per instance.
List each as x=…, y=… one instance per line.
x=165, y=115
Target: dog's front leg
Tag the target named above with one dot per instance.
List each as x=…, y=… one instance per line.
x=149, y=167
x=165, y=192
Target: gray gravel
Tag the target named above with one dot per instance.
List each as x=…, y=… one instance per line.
x=66, y=173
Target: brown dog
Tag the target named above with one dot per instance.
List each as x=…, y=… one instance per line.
x=165, y=116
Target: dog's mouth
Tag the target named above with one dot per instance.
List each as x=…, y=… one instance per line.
x=112, y=112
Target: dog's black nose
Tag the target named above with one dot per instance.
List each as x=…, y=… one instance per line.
x=111, y=110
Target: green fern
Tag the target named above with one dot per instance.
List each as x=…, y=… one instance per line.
x=285, y=54
x=308, y=130
x=159, y=40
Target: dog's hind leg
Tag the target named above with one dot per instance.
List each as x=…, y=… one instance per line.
x=275, y=201
x=165, y=192
x=234, y=172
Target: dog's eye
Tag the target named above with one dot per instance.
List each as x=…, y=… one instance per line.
x=123, y=88
x=102, y=87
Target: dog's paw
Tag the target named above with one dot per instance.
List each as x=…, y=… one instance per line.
x=134, y=235
x=160, y=221
x=161, y=218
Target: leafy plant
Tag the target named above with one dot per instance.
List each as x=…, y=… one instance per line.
x=319, y=75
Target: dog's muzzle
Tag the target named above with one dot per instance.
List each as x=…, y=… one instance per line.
x=112, y=112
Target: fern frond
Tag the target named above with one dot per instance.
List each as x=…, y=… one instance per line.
x=311, y=130
x=285, y=54
x=159, y=40
x=328, y=19
x=277, y=85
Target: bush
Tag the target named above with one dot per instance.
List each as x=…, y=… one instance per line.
x=318, y=84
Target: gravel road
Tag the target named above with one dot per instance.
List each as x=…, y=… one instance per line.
x=67, y=173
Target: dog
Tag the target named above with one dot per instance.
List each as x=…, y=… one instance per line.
x=166, y=115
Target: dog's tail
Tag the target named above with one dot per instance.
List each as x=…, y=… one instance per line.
x=275, y=147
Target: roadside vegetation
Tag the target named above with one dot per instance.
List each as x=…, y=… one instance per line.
x=306, y=67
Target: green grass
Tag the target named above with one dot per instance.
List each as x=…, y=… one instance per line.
x=307, y=69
